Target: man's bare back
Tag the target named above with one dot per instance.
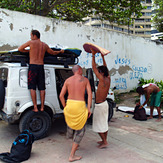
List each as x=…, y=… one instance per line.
x=37, y=52
x=76, y=86
x=152, y=89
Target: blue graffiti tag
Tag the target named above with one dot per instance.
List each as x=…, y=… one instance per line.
x=123, y=61
x=120, y=83
x=139, y=69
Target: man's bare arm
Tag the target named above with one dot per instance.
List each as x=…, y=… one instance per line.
x=147, y=99
x=99, y=76
x=104, y=63
x=62, y=94
x=22, y=47
x=50, y=51
x=89, y=92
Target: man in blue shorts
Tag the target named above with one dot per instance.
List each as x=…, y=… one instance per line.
x=36, y=75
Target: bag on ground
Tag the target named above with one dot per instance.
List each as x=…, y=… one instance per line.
x=21, y=148
x=140, y=114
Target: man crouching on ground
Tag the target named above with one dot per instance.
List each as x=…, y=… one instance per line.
x=75, y=110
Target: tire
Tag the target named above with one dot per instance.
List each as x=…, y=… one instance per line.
x=111, y=112
x=2, y=94
x=39, y=123
x=111, y=105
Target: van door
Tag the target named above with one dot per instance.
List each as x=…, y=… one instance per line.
x=89, y=75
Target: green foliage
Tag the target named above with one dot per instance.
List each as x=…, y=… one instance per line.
x=158, y=17
x=146, y=81
x=119, y=11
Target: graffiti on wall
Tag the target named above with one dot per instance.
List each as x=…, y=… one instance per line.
x=88, y=59
x=120, y=83
x=125, y=70
x=133, y=72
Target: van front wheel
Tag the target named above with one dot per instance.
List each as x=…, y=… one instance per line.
x=39, y=123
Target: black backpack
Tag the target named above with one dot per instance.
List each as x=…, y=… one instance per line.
x=20, y=150
x=140, y=114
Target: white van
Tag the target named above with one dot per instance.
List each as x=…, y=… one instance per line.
x=15, y=100
x=156, y=36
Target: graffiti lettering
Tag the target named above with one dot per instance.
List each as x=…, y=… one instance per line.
x=139, y=69
x=120, y=83
x=123, y=61
x=136, y=75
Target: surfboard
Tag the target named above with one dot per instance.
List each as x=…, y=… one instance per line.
x=88, y=46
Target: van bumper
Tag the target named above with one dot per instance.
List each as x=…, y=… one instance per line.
x=9, y=118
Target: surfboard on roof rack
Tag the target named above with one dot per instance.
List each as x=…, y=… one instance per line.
x=69, y=57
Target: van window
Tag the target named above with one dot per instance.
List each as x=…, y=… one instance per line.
x=23, y=80
x=3, y=75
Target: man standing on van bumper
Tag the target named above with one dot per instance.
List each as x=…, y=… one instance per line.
x=36, y=74
x=75, y=110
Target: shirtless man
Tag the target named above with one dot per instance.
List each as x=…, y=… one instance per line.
x=100, y=115
x=153, y=89
x=36, y=76
x=75, y=110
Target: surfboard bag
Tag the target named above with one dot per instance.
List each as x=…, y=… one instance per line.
x=69, y=57
x=20, y=150
x=140, y=114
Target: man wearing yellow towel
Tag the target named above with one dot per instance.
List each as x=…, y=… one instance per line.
x=75, y=111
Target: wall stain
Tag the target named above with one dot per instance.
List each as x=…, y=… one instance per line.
x=7, y=47
x=11, y=26
x=5, y=13
x=121, y=70
x=47, y=28
x=88, y=37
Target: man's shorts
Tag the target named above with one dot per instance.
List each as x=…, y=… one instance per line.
x=76, y=135
x=36, y=77
x=156, y=99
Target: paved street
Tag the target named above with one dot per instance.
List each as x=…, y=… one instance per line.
x=130, y=141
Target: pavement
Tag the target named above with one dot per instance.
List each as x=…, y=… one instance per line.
x=130, y=141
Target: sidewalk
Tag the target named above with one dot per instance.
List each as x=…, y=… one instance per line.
x=130, y=141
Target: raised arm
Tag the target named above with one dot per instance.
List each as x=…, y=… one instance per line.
x=104, y=63
x=99, y=76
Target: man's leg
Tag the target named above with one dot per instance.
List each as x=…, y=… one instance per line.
x=73, y=157
x=104, y=142
x=42, y=97
x=33, y=96
x=159, y=114
x=151, y=112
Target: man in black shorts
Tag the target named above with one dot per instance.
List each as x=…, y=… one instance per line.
x=36, y=75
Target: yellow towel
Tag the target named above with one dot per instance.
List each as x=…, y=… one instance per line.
x=76, y=114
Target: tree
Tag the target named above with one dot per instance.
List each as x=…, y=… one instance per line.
x=158, y=16
x=119, y=11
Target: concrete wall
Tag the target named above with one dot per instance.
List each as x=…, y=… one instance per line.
x=130, y=59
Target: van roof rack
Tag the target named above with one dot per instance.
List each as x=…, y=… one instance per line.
x=69, y=57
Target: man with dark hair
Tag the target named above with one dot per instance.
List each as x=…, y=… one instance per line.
x=75, y=110
x=153, y=90
x=100, y=114
x=36, y=75
x=140, y=90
